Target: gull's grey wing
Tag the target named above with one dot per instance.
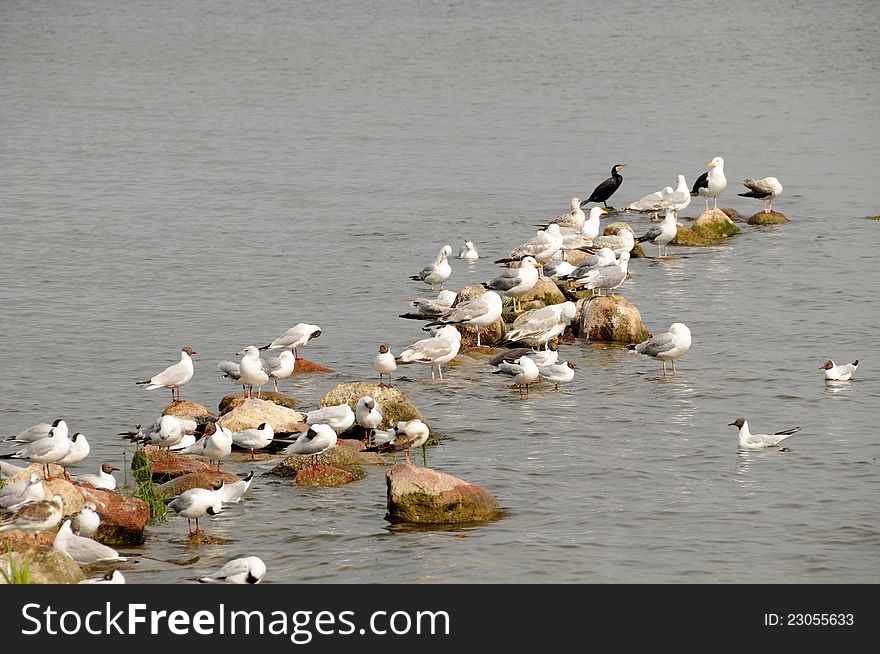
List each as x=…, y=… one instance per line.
x=657, y=344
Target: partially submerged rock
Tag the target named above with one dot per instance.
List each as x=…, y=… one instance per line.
x=46, y=566
x=768, y=218
x=165, y=465
x=230, y=402
x=253, y=412
x=304, y=366
x=684, y=235
x=202, y=479
x=714, y=225
x=732, y=213
x=348, y=455
x=542, y=295
x=609, y=318
x=123, y=518
x=327, y=476
x=393, y=402
x=187, y=409
x=426, y=496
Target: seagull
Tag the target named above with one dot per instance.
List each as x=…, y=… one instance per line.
x=666, y=346
x=297, y=336
x=541, y=246
x=558, y=373
x=77, y=451
x=381, y=437
x=280, y=367
x=607, y=188
x=368, y=414
x=317, y=440
x=604, y=256
x=175, y=376
x=605, y=278
x=384, y=364
x=752, y=441
x=833, y=372
x=660, y=235
x=437, y=350
x=591, y=227
x=251, y=371
x=574, y=218
x=540, y=357
x=246, y=570
x=115, y=577
x=469, y=251
x=650, y=203
x=677, y=200
x=8, y=470
x=539, y=326
x=196, y=503
x=516, y=281
x=767, y=189
x=480, y=311
x=231, y=370
x=623, y=241
x=86, y=522
x=232, y=493
x=426, y=308
x=46, y=450
x=36, y=432
x=523, y=371
x=255, y=438
x=104, y=479
x=711, y=183
x=407, y=435
x=556, y=269
x=214, y=447
x=18, y=493
x=437, y=272
x=338, y=417
x=165, y=432
x=35, y=517
x=83, y=550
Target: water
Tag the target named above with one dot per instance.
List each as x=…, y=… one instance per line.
x=210, y=174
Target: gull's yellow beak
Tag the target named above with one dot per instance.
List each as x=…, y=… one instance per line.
x=604, y=211
x=710, y=165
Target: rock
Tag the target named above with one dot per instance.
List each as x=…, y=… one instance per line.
x=394, y=403
x=348, y=455
x=230, y=402
x=768, y=218
x=166, y=465
x=187, y=409
x=201, y=479
x=73, y=499
x=489, y=335
x=684, y=235
x=304, y=366
x=123, y=518
x=542, y=295
x=426, y=496
x=326, y=476
x=731, y=213
x=609, y=318
x=481, y=352
x=47, y=566
x=252, y=412
x=715, y=225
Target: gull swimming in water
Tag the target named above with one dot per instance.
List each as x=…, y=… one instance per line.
x=314, y=442
x=514, y=282
x=711, y=183
x=255, y=438
x=752, y=441
x=538, y=326
x=437, y=272
x=104, y=479
x=661, y=235
x=245, y=570
x=196, y=503
x=435, y=351
x=251, y=370
x=295, y=337
x=558, y=373
x=479, y=312
x=469, y=251
x=523, y=372
x=384, y=364
x=607, y=188
x=35, y=517
x=667, y=346
x=83, y=550
x=767, y=189
x=833, y=372
x=175, y=376
x=427, y=308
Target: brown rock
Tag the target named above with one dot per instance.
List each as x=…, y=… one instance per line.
x=326, y=475
x=165, y=465
x=201, y=479
x=542, y=295
x=230, y=402
x=304, y=366
x=714, y=225
x=186, y=409
x=731, y=213
x=252, y=412
x=426, y=496
x=609, y=318
x=767, y=218
x=73, y=499
x=123, y=518
x=47, y=566
x=348, y=455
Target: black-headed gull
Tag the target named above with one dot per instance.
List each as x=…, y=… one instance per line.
x=558, y=373
x=38, y=431
x=833, y=372
x=214, y=447
x=232, y=493
x=367, y=414
x=468, y=251
x=86, y=522
x=406, y=435
x=18, y=493
x=245, y=570
x=435, y=351
x=661, y=235
x=712, y=183
x=438, y=271
x=45, y=450
x=338, y=416
x=196, y=503
x=752, y=441
x=77, y=451
x=317, y=440
x=515, y=282
x=35, y=517
x=540, y=357
x=175, y=376
x=295, y=337
x=606, y=189
x=251, y=371
x=255, y=438
x=766, y=189
x=479, y=312
x=81, y=549
x=667, y=346
x=523, y=372
x=384, y=364
x=104, y=479
x=114, y=577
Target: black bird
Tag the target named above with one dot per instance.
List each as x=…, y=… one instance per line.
x=607, y=188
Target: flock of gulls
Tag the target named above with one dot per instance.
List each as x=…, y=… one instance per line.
x=530, y=354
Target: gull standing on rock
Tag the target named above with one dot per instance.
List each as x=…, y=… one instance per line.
x=767, y=189
x=175, y=376
x=214, y=447
x=539, y=326
x=437, y=350
x=367, y=414
x=623, y=241
x=384, y=364
x=77, y=451
x=338, y=416
x=46, y=450
x=297, y=336
x=574, y=219
x=666, y=346
x=605, y=278
x=516, y=281
x=542, y=246
x=437, y=272
x=317, y=440
x=479, y=312
x=255, y=438
x=750, y=441
x=18, y=493
x=36, y=432
x=246, y=570
x=603, y=257
x=407, y=434
x=711, y=183
x=251, y=370
x=86, y=522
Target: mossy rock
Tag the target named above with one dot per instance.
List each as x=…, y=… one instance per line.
x=715, y=225
x=229, y=402
x=768, y=218
x=325, y=476
x=609, y=318
x=393, y=402
x=544, y=294
x=348, y=455
x=686, y=236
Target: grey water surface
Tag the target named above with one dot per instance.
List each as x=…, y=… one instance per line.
x=208, y=174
